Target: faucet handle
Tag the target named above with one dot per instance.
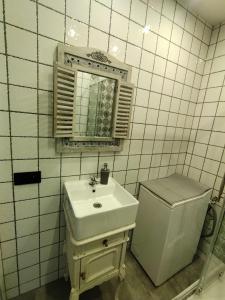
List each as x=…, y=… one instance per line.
x=94, y=179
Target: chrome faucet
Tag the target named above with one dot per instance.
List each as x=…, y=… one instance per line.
x=93, y=182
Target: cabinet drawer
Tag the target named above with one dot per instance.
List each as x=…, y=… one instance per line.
x=96, y=267
x=101, y=244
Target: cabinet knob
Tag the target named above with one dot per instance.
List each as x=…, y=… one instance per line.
x=83, y=275
x=105, y=243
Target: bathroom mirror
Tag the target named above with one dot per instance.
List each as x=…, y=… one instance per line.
x=92, y=100
x=94, y=105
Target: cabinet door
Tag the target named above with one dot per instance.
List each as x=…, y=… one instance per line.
x=97, y=266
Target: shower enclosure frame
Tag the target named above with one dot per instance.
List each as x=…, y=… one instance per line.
x=198, y=285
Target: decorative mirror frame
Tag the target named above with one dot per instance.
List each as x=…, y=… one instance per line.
x=69, y=61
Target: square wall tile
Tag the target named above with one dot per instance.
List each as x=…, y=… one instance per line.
x=55, y=21
x=180, y=15
x=89, y=165
x=153, y=20
x=19, y=122
x=6, y=192
x=169, y=9
x=27, y=226
x=4, y=123
x=8, y=248
x=139, y=114
x=100, y=16
x=28, y=243
x=45, y=102
x=45, y=77
x=49, y=204
x=133, y=55
x=49, y=167
x=28, y=259
x=50, y=186
x=11, y=280
x=26, y=209
x=123, y=7
x=117, y=48
x=177, y=34
x=135, y=34
x=70, y=166
x=144, y=80
x=20, y=151
x=47, y=148
x=10, y=265
x=150, y=41
x=119, y=26
x=190, y=23
x=165, y=28
x=26, y=38
x=22, y=72
x=133, y=162
x=162, y=47
x=4, y=97
x=3, y=74
x=142, y=97
x=78, y=10
x=120, y=163
x=6, y=212
x=25, y=165
x=47, y=50
x=98, y=39
x=28, y=274
x=49, y=266
x=49, y=221
x=138, y=11
x=76, y=33
x=45, y=126
x=49, y=252
x=7, y=231
x=49, y=237
x=5, y=148
x=23, y=99
x=23, y=15
x=147, y=61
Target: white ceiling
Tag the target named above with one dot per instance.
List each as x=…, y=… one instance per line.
x=212, y=11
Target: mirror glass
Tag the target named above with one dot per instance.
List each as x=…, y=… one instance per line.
x=94, y=105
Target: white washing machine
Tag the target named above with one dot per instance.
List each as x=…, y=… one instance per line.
x=169, y=224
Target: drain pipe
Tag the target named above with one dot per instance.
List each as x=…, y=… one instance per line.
x=222, y=185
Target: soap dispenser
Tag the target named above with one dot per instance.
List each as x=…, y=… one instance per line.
x=104, y=177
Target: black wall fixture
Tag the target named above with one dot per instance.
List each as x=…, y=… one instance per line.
x=27, y=177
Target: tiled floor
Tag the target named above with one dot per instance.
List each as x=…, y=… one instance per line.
x=137, y=286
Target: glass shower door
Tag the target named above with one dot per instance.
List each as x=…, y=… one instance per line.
x=215, y=265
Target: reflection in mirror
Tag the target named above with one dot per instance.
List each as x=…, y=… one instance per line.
x=94, y=105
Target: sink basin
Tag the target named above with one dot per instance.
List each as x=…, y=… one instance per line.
x=94, y=213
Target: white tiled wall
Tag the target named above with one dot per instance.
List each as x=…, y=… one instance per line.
x=168, y=63
x=205, y=160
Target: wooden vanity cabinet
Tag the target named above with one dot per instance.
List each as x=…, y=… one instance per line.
x=93, y=261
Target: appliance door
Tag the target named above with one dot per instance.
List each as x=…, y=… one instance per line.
x=150, y=234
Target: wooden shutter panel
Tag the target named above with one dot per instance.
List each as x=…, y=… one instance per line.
x=123, y=110
x=64, y=100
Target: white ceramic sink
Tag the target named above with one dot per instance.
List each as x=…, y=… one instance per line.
x=94, y=213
